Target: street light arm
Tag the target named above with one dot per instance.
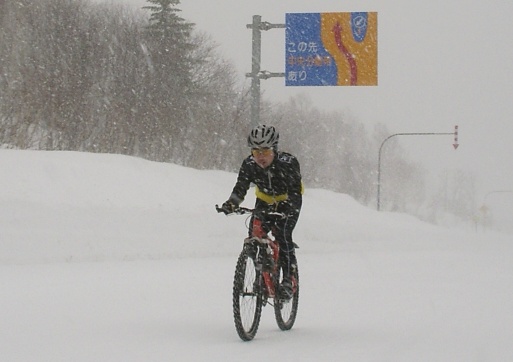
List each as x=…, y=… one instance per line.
x=381, y=147
x=496, y=192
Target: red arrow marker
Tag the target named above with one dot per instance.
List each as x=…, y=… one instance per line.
x=337, y=30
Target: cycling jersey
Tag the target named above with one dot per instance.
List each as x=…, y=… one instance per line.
x=279, y=182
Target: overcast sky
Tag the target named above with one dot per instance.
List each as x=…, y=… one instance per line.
x=440, y=63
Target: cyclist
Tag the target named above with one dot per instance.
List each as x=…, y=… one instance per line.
x=279, y=187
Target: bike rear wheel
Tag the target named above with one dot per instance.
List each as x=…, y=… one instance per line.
x=285, y=311
x=247, y=297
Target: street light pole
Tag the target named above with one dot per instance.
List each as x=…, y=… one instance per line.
x=406, y=134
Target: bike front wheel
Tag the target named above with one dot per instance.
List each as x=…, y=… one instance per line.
x=247, y=297
x=285, y=311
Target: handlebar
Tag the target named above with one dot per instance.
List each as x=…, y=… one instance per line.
x=239, y=210
x=244, y=210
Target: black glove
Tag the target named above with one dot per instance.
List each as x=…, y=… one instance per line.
x=229, y=206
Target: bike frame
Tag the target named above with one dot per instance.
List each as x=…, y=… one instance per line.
x=259, y=232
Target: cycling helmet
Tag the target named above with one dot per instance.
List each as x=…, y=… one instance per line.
x=263, y=137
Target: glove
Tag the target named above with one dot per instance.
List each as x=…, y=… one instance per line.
x=229, y=207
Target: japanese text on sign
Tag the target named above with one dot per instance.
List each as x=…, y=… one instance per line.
x=331, y=49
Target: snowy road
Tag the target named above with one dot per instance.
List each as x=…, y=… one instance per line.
x=112, y=258
x=404, y=306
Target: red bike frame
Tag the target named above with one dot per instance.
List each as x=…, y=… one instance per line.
x=259, y=232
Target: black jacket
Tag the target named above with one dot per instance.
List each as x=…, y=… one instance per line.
x=280, y=181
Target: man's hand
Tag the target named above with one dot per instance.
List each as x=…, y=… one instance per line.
x=229, y=207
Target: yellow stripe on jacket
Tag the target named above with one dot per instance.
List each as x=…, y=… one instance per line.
x=273, y=199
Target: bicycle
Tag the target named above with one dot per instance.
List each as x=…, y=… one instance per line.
x=257, y=280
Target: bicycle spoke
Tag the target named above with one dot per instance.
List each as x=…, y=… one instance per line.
x=285, y=311
x=247, y=302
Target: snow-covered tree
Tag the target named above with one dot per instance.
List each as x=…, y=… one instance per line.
x=168, y=47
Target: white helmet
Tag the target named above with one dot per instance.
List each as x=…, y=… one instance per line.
x=263, y=137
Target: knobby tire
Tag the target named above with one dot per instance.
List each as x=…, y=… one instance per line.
x=247, y=302
x=286, y=311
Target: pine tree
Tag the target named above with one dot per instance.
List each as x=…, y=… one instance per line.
x=165, y=22
x=170, y=53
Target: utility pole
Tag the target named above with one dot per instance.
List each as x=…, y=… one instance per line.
x=256, y=74
x=455, y=145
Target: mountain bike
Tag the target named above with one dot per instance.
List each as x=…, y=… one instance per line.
x=257, y=280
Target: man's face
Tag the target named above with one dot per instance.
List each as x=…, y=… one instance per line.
x=263, y=156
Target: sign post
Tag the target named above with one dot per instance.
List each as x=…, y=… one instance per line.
x=256, y=74
x=327, y=49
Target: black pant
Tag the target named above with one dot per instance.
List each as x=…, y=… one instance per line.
x=281, y=229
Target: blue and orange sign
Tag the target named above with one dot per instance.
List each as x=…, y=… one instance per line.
x=331, y=49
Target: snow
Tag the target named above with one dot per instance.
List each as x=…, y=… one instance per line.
x=114, y=258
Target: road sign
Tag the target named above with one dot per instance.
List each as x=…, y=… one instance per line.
x=331, y=49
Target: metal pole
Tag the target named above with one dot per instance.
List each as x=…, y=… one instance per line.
x=379, y=156
x=256, y=74
x=256, y=51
